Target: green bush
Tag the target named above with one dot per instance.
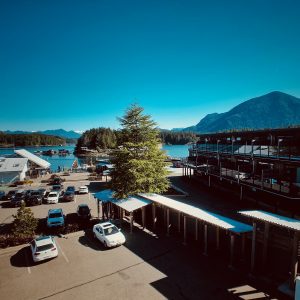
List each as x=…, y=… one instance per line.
x=24, y=224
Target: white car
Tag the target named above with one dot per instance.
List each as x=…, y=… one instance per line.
x=83, y=190
x=53, y=197
x=42, y=248
x=108, y=234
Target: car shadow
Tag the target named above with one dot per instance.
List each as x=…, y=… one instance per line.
x=22, y=258
x=88, y=240
x=5, y=204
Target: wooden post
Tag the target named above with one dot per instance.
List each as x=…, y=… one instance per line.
x=241, y=193
x=217, y=238
x=168, y=221
x=209, y=180
x=253, y=247
x=265, y=243
x=231, y=250
x=205, y=239
x=196, y=229
x=143, y=216
x=154, y=215
x=131, y=221
x=179, y=221
x=294, y=263
x=184, y=230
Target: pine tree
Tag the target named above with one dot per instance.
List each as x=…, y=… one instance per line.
x=139, y=163
x=24, y=223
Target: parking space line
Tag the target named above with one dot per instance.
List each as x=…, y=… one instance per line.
x=27, y=263
x=75, y=198
x=62, y=252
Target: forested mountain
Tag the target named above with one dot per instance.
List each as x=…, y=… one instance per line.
x=32, y=139
x=177, y=138
x=273, y=110
x=56, y=132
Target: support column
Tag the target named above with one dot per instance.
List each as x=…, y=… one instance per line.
x=294, y=263
x=179, y=221
x=241, y=193
x=168, y=221
x=209, y=180
x=265, y=244
x=243, y=256
x=131, y=221
x=217, y=238
x=196, y=229
x=184, y=230
x=205, y=239
x=231, y=250
x=143, y=216
x=253, y=247
x=154, y=215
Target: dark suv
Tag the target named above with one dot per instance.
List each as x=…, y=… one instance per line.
x=18, y=199
x=10, y=195
x=35, y=198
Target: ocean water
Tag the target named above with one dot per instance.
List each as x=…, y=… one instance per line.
x=56, y=161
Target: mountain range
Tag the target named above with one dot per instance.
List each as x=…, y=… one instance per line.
x=56, y=132
x=273, y=110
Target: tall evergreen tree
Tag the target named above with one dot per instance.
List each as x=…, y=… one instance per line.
x=139, y=162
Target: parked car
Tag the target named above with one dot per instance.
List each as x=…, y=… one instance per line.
x=83, y=190
x=55, y=218
x=27, y=193
x=108, y=234
x=18, y=199
x=83, y=212
x=10, y=195
x=2, y=195
x=43, y=192
x=68, y=196
x=56, y=180
x=71, y=189
x=242, y=176
x=42, y=248
x=58, y=188
x=35, y=198
x=53, y=197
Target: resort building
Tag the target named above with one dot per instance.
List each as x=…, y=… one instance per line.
x=263, y=165
x=12, y=169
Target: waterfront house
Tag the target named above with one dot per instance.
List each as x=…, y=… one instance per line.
x=12, y=169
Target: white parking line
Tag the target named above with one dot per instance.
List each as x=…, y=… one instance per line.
x=75, y=198
x=62, y=252
x=27, y=263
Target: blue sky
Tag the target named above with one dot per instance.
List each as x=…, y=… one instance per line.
x=79, y=64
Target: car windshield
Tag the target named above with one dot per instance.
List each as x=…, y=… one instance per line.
x=35, y=194
x=84, y=209
x=52, y=195
x=111, y=230
x=56, y=187
x=44, y=247
x=55, y=215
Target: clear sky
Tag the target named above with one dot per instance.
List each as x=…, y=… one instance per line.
x=79, y=64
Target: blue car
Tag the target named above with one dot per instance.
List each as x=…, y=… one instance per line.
x=56, y=218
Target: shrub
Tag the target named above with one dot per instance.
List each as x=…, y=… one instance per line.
x=24, y=224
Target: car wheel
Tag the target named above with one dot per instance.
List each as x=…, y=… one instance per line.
x=105, y=245
x=94, y=235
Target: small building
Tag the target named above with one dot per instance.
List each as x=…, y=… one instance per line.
x=12, y=169
x=36, y=165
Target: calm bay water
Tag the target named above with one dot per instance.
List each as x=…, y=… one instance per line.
x=66, y=161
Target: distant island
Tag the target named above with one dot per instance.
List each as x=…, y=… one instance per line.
x=31, y=139
x=100, y=141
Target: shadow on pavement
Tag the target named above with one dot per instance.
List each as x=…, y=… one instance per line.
x=5, y=204
x=88, y=240
x=22, y=258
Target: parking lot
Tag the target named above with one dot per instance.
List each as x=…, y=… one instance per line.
x=40, y=211
x=148, y=265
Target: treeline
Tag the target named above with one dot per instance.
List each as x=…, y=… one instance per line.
x=32, y=139
x=105, y=138
x=177, y=138
x=97, y=139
